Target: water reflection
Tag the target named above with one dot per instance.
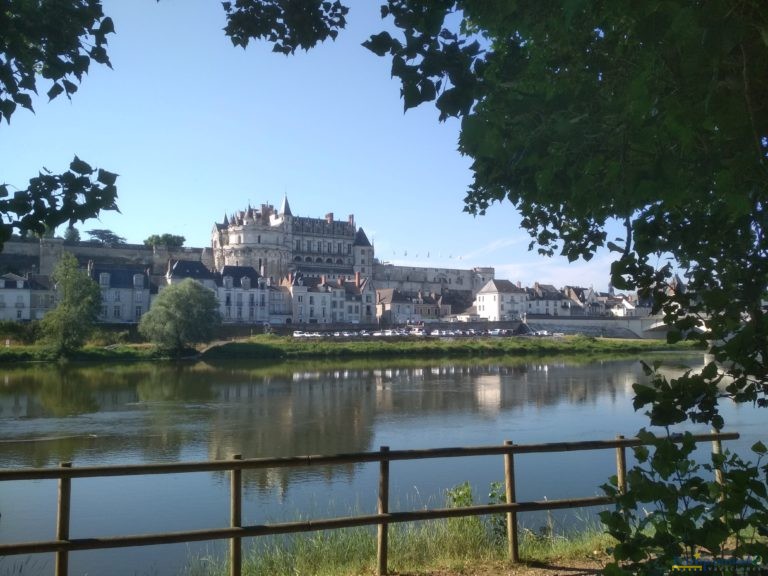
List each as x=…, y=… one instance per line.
x=156, y=412
x=106, y=414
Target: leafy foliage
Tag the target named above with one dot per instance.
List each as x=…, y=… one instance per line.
x=68, y=326
x=167, y=240
x=671, y=515
x=182, y=314
x=54, y=199
x=106, y=237
x=287, y=24
x=55, y=40
x=651, y=114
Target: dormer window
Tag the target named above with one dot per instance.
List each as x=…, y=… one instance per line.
x=228, y=282
x=104, y=279
x=245, y=282
x=138, y=281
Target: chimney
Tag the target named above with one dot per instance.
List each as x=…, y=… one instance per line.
x=340, y=280
x=322, y=279
x=329, y=217
x=352, y=219
x=357, y=279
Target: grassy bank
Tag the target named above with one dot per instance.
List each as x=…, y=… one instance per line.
x=286, y=347
x=277, y=348
x=459, y=545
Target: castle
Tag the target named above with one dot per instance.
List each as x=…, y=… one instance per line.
x=277, y=243
x=287, y=259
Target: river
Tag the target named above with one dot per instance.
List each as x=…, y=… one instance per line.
x=139, y=413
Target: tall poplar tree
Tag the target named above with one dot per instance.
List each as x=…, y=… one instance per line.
x=78, y=302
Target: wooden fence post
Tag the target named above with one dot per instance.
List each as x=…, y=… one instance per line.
x=383, y=533
x=62, y=520
x=717, y=448
x=236, y=519
x=509, y=484
x=621, y=466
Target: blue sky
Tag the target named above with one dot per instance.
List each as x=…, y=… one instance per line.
x=197, y=128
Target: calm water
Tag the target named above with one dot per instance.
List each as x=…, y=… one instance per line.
x=157, y=413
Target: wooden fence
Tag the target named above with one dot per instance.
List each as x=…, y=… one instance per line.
x=63, y=544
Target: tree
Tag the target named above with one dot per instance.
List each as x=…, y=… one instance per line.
x=71, y=235
x=68, y=326
x=584, y=113
x=106, y=237
x=580, y=113
x=652, y=114
x=167, y=240
x=57, y=41
x=182, y=314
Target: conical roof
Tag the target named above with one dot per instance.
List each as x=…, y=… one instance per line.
x=361, y=239
x=285, y=209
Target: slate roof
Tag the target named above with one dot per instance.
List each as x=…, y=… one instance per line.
x=285, y=209
x=239, y=272
x=120, y=277
x=190, y=269
x=40, y=282
x=361, y=239
x=12, y=280
x=392, y=296
x=502, y=287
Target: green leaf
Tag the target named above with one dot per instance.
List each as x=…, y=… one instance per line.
x=55, y=90
x=379, y=44
x=759, y=448
x=80, y=167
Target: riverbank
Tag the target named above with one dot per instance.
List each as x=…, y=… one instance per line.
x=288, y=348
x=276, y=348
x=455, y=547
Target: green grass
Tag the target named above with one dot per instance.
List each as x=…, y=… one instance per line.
x=447, y=544
x=287, y=347
x=453, y=544
x=281, y=348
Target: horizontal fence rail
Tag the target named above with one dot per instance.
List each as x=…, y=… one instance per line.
x=63, y=544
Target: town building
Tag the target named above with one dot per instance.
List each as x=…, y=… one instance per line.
x=268, y=266
x=500, y=300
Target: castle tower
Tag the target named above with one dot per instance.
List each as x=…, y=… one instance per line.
x=362, y=251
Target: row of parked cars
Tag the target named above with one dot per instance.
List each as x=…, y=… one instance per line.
x=402, y=332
